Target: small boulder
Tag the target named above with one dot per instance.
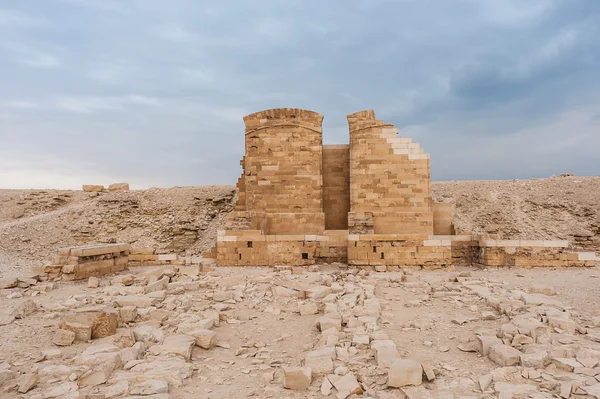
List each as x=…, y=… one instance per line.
x=297, y=378
x=205, y=339
x=405, y=372
x=63, y=337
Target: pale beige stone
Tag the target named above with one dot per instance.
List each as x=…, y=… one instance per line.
x=82, y=330
x=347, y=385
x=205, y=339
x=297, y=378
x=308, y=308
x=320, y=361
x=405, y=372
x=180, y=345
x=385, y=352
x=63, y=337
x=92, y=188
x=27, y=382
x=428, y=370
x=504, y=355
x=128, y=313
x=118, y=187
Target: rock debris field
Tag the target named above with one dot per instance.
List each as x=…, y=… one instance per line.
x=322, y=331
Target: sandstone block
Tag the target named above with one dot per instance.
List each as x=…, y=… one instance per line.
x=329, y=321
x=205, y=339
x=504, y=355
x=8, y=283
x=428, y=370
x=83, y=331
x=118, y=187
x=105, y=324
x=63, y=337
x=93, y=282
x=150, y=387
x=405, y=372
x=139, y=301
x=297, y=378
x=308, y=308
x=24, y=309
x=93, y=378
x=128, y=314
x=180, y=345
x=222, y=296
x=27, y=382
x=538, y=359
x=147, y=333
x=90, y=188
x=347, y=385
x=320, y=361
x=131, y=353
x=566, y=364
x=485, y=342
x=385, y=352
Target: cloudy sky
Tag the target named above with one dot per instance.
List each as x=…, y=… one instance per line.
x=153, y=92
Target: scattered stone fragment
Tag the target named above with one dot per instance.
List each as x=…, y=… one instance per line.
x=83, y=331
x=205, y=339
x=308, y=308
x=347, y=385
x=537, y=359
x=326, y=387
x=63, y=337
x=128, y=314
x=485, y=381
x=93, y=282
x=405, y=372
x=180, y=345
x=320, y=361
x=94, y=378
x=8, y=283
x=297, y=378
x=27, y=382
x=150, y=387
x=565, y=390
x=385, y=352
x=566, y=364
x=428, y=370
x=505, y=355
x=24, y=309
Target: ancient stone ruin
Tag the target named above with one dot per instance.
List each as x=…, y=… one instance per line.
x=366, y=204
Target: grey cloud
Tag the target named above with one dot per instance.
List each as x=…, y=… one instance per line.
x=155, y=92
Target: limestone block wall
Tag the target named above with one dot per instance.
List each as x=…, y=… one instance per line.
x=76, y=263
x=424, y=251
x=531, y=253
x=389, y=177
x=282, y=170
x=336, y=186
x=251, y=248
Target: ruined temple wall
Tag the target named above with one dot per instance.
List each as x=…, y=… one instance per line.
x=389, y=178
x=282, y=170
x=251, y=248
x=424, y=251
x=336, y=186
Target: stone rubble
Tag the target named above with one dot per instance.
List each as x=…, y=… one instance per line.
x=143, y=334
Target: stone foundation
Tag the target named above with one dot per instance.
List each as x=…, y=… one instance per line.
x=77, y=263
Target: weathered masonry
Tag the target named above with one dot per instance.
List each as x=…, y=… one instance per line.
x=367, y=203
